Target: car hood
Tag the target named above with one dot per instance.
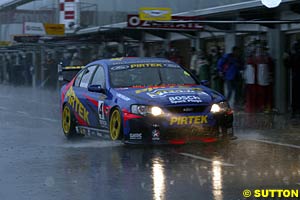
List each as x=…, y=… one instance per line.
x=173, y=95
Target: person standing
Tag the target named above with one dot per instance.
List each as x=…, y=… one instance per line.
x=216, y=81
x=251, y=84
x=264, y=64
x=202, y=67
x=194, y=57
x=229, y=66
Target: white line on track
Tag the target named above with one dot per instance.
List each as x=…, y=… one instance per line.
x=276, y=143
x=206, y=159
x=27, y=115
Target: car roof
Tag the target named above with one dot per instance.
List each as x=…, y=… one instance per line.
x=130, y=60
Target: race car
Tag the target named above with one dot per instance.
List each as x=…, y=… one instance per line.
x=143, y=101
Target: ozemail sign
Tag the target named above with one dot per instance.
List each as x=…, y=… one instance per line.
x=176, y=23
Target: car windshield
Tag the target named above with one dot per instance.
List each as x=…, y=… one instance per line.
x=127, y=76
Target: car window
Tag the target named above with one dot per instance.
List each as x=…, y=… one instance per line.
x=169, y=74
x=87, y=76
x=99, y=77
x=78, y=78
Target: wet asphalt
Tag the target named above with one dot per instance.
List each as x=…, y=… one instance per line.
x=38, y=163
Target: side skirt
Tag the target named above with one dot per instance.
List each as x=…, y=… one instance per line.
x=87, y=131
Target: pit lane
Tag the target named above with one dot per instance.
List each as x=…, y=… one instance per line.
x=37, y=162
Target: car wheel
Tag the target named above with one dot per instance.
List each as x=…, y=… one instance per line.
x=115, y=125
x=68, y=122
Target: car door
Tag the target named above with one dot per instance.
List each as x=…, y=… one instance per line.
x=83, y=108
x=97, y=99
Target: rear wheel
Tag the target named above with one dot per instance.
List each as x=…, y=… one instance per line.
x=68, y=122
x=115, y=125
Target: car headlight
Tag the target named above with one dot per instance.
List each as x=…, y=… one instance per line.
x=219, y=107
x=144, y=110
x=156, y=111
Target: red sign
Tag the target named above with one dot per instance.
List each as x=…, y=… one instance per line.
x=184, y=22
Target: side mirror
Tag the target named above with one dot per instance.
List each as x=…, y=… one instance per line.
x=96, y=88
x=205, y=83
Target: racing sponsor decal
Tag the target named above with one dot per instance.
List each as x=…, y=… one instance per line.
x=101, y=110
x=163, y=92
x=135, y=136
x=155, y=134
x=189, y=120
x=103, y=123
x=125, y=98
x=120, y=67
x=185, y=99
x=144, y=65
x=77, y=105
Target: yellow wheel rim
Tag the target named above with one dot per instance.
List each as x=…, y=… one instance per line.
x=115, y=125
x=66, y=119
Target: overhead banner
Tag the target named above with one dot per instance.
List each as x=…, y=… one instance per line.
x=54, y=29
x=36, y=28
x=155, y=14
x=176, y=23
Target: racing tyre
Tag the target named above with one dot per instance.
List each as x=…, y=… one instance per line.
x=68, y=122
x=115, y=125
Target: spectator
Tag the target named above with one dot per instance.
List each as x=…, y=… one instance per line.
x=76, y=60
x=228, y=67
x=215, y=80
x=176, y=57
x=194, y=57
x=251, y=84
x=264, y=74
x=202, y=67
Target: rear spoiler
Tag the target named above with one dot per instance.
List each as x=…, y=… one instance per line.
x=72, y=69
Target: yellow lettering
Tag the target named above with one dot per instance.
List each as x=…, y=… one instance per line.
x=278, y=191
x=264, y=193
x=184, y=120
x=71, y=102
x=81, y=111
x=191, y=119
x=77, y=105
x=146, y=65
x=197, y=120
x=257, y=193
x=295, y=193
x=173, y=120
x=204, y=119
x=86, y=116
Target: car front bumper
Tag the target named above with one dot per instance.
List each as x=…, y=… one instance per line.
x=178, y=129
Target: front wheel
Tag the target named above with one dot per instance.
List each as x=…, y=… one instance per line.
x=68, y=122
x=115, y=125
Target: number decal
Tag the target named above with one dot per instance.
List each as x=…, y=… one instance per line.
x=101, y=110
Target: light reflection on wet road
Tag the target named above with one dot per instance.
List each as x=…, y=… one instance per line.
x=37, y=162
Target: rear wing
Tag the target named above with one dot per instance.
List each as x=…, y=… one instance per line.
x=66, y=73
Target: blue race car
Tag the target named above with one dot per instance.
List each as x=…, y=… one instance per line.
x=143, y=101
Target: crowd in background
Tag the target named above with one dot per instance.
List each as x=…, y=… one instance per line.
x=245, y=75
